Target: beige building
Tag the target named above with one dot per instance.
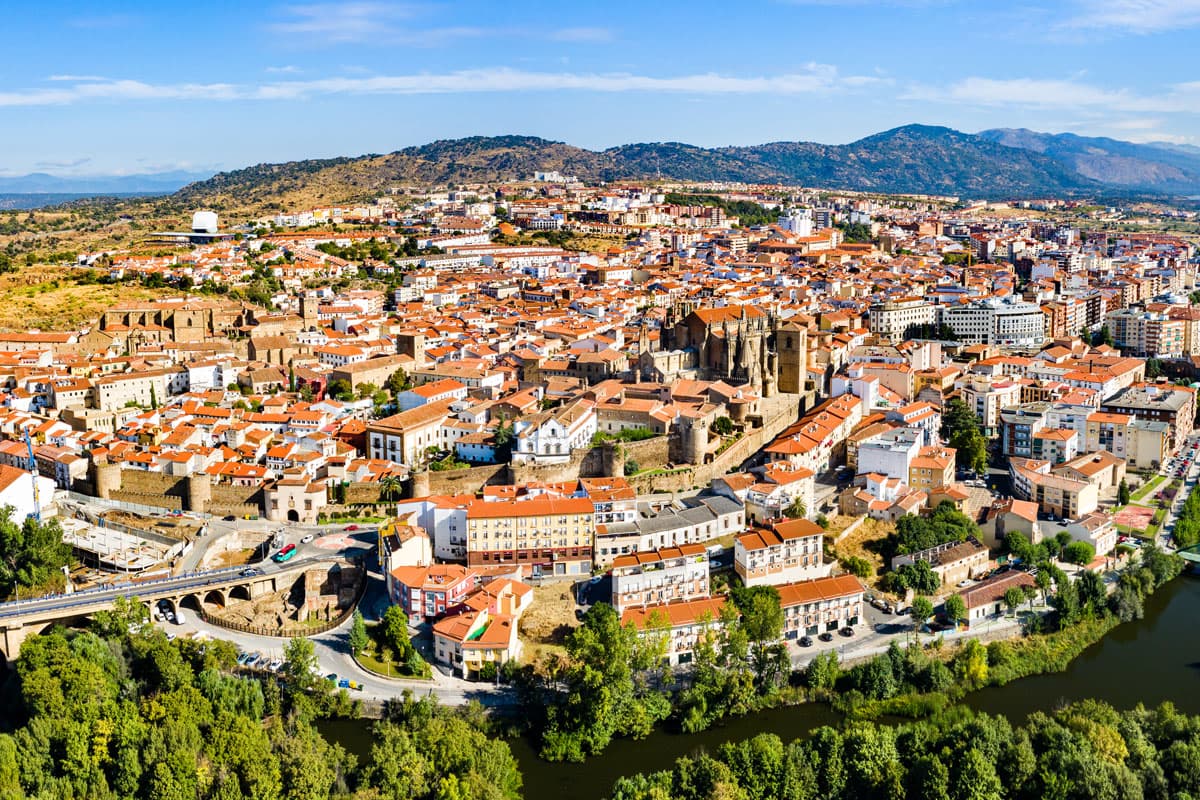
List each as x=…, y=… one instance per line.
x=294, y=498
x=824, y=604
x=148, y=388
x=953, y=562
x=543, y=535
x=485, y=631
x=787, y=552
x=933, y=468
x=683, y=624
x=659, y=576
x=403, y=438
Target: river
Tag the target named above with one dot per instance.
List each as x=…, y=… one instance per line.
x=1148, y=661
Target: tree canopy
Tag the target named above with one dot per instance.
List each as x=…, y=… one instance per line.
x=32, y=553
x=960, y=430
x=135, y=716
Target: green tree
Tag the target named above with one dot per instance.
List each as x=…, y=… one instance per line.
x=1013, y=597
x=1154, y=368
x=32, y=553
x=1123, y=493
x=795, y=509
x=922, y=609
x=955, y=608
x=599, y=698
x=1102, y=337
x=722, y=426
x=1080, y=553
x=398, y=382
x=393, y=632
x=127, y=616
x=823, y=671
x=505, y=439
x=857, y=566
x=918, y=576
x=390, y=486
x=340, y=389
x=960, y=430
x=359, y=638
x=299, y=664
x=762, y=621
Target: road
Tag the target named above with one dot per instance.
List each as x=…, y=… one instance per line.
x=186, y=583
x=333, y=655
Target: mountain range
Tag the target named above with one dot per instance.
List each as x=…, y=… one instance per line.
x=911, y=159
x=44, y=183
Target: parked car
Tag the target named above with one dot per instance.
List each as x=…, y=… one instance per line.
x=847, y=631
x=344, y=683
x=306, y=538
x=806, y=641
x=252, y=661
x=275, y=665
x=826, y=637
x=351, y=527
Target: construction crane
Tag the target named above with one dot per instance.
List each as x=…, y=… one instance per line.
x=33, y=476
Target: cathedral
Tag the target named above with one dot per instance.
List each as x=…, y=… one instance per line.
x=742, y=345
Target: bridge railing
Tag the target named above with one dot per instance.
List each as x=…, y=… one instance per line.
x=130, y=589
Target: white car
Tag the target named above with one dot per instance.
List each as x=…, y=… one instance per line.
x=275, y=665
x=306, y=538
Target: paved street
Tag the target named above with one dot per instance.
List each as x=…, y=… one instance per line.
x=333, y=655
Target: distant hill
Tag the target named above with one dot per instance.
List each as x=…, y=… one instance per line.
x=918, y=159
x=31, y=200
x=1152, y=167
x=87, y=185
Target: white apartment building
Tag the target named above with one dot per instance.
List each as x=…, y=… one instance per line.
x=995, y=321
x=890, y=453
x=787, y=552
x=659, y=576
x=987, y=397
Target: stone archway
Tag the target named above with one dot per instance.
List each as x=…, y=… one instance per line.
x=215, y=597
x=293, y=516
x=192, y=602
x=240, y=592
x=167, y=604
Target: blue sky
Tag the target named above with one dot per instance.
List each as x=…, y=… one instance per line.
x=129, y=87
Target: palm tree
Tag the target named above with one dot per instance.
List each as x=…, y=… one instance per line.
x=390, y=486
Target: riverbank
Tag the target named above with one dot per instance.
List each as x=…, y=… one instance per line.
x=1149, y=661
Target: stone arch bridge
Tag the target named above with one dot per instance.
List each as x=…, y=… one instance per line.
x=24, y=618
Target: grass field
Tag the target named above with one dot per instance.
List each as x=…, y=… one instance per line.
x=1149, y=488
x=48, y=298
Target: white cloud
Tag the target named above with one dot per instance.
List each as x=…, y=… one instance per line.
x=1132, y=16
x=1057, y=94
x=287, y=69
x=812, y=79
x=76, y=78
x=581, y=35
x=365, y=21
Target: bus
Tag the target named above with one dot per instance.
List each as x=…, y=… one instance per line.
x=284, y=554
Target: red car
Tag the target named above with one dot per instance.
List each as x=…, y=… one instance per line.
x=351, y=527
